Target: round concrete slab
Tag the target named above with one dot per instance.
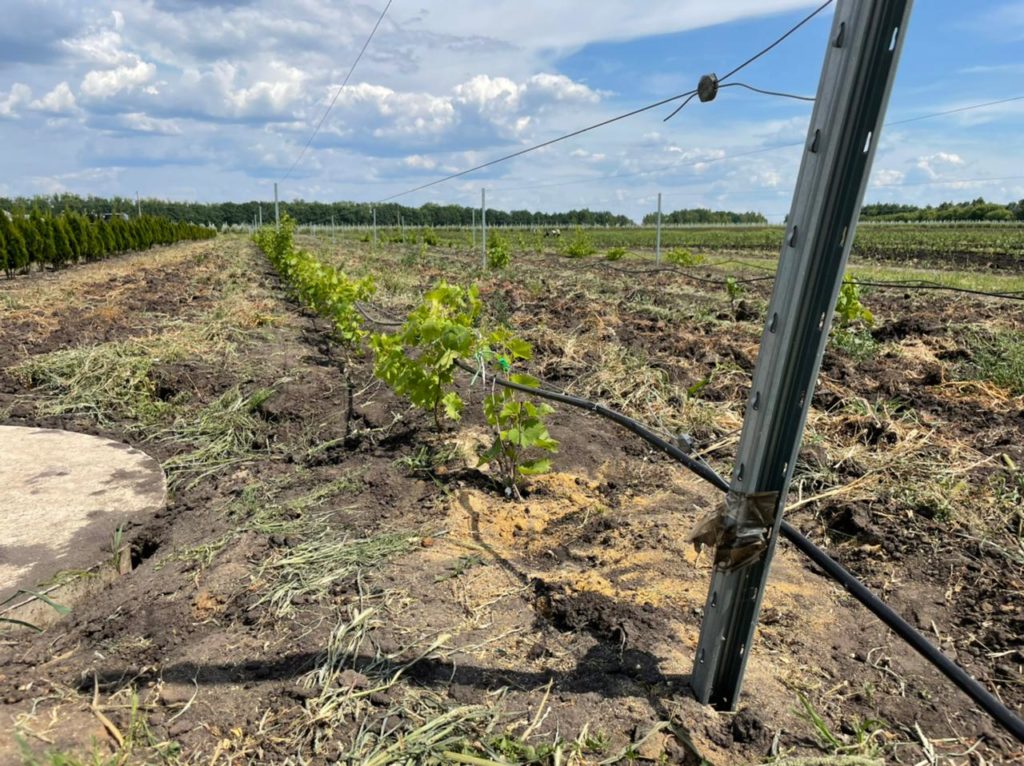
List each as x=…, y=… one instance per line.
x=62, y=496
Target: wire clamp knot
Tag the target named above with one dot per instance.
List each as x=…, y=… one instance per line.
x=738, y=529
x=707, y=88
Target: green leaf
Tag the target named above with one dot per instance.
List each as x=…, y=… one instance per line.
x=22, y=623
x=58, y=608
x=697, y=387
x=511, y=410
x=490, y=454
x=452, y=403
x=519, y=348
x=524, y=380
x=547, y=444
x=534, y=431
x=534, y=467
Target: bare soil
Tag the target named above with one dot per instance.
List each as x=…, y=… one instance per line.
x=572, y=612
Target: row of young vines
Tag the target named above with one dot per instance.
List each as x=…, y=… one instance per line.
x=39, y=239
x=419, y=361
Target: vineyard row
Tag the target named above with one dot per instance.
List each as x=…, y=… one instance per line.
x=420, y=360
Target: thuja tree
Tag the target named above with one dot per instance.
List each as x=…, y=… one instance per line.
x=15, y=253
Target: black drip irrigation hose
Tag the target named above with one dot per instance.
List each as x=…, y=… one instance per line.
x=926, y=285
x=967, y=684
x=684, y=273
x=892, y=285
x=985, y=699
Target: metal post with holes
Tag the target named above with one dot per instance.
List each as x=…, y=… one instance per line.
x=260, y=208
x=472, y=228
x=483, y=228
x=856, y=79
x=657, y=236
x=277, y=211
x=138, y=205
x=375, y=227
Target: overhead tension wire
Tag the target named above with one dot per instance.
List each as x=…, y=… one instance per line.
x=710, y=83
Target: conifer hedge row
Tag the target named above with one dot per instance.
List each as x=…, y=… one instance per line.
x=55, y=241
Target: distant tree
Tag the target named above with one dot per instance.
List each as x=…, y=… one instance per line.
x=63, y=252
x=107, y=239
x=15, y=251
x=47, y=246
x=704, y=216
x=76, y=233
x=32, y=238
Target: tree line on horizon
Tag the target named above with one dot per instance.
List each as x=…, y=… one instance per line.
x=345, y=213
x=975, y=210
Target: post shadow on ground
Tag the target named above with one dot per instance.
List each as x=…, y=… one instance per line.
x=610, y=667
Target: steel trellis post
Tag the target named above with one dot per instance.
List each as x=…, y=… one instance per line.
x=856, y=79
x=483, y=228
x=657, y=236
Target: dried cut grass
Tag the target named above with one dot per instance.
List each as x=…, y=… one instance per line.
x=107, y=382
x=307, y=571
x=345, y=723
x=225, y=433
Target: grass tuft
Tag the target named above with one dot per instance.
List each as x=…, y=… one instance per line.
x=997, y=356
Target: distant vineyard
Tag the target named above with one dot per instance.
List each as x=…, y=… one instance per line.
x=44, y=240
x=1000, y=245
x=899, y=241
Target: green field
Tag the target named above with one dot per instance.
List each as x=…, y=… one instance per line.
x=943, y=245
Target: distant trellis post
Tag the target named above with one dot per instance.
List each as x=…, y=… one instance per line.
x=657, y=236
x=483, y=228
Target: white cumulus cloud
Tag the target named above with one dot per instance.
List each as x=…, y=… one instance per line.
x=932, y=164
x=60, y=100
x=887, y=177
x=19, y=95
x=105, y=83
x=419, y=162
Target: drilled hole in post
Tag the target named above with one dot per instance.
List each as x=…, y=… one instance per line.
x=841, y=36
x=842, y=237
x=700, y=657
x=739, y=473
x=815, y=140
x=821, y=322
x=792, y=237
x=772, y=324
x=743, y=649
x=714, y=599
x=785, y=468
x=757, y=400
x=803, y=398
x=867, y=142
x=894, y=39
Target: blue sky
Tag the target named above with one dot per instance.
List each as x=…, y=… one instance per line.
x=184, y=99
